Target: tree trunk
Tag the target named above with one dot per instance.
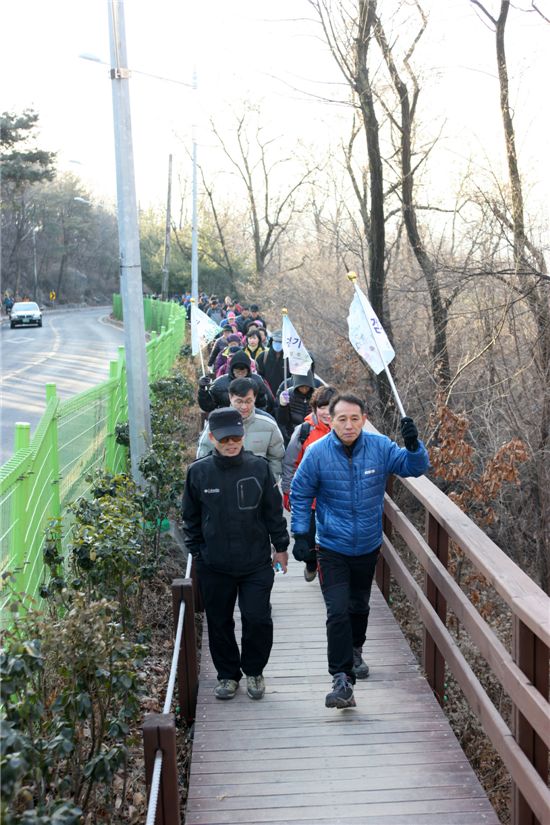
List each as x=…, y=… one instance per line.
x=442, y=370
x=376, y=223
x=535, y=291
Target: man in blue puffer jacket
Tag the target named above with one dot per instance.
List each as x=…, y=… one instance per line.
x=346, y=472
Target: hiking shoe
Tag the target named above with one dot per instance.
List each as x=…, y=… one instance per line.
x=309, y=575
x=226, y=689
x=255, y=686
x=360, y=667
x=341, y=695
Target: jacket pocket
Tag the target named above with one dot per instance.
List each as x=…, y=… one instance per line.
x=249, y=493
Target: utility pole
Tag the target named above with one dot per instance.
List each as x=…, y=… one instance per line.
x=131, y=289
x=194, y=220
x=166, y=262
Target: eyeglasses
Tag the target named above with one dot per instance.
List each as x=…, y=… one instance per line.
x=242, y=402
x=233, y=439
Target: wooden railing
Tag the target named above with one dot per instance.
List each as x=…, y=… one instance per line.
x=159, y=729
x=523, y=672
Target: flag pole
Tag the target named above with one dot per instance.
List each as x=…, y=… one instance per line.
x=352, y=276
x=285, y=313
x=199, y=340
x=202, y=361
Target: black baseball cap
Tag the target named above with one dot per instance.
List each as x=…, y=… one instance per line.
x=226, y=421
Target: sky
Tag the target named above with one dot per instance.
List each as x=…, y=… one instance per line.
x=257, y=50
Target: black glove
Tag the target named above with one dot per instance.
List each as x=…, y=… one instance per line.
x=204, y=381
x=301, y=550
x=410, y=434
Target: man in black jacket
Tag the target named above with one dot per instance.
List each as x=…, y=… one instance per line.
x=233, y=511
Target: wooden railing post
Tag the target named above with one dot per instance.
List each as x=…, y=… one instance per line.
x=432, y=660
x=383, y=573
x=188, y=679
x=531, y=656
x=199, y=606
x=159, y=733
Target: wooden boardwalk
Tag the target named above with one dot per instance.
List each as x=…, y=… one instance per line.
x=392, y=760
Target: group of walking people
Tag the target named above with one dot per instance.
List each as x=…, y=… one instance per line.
x=305, y=451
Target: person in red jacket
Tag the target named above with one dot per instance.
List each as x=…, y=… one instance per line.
x=316, y=425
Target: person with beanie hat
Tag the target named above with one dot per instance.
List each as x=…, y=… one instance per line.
x=294, y=404
x=220, y=343
x=212, y=395
x=233, y=554
x=233, y=346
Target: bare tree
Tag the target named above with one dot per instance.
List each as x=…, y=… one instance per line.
x=271, y=212
x=530, y=279
x=407, y=99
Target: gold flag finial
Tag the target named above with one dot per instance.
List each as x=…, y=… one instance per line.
x=352, y=276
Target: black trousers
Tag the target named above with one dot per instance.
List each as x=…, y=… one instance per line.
x=220, y=592
x=346, y=583
x=311, y=563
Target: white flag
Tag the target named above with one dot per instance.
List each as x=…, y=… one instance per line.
x=203, y=329
x=366, y=332
x=299, y=361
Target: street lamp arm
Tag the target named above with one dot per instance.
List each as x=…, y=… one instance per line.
x=95, y=59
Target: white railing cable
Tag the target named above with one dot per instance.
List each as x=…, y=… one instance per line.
x=154, y=795
x=174, y=666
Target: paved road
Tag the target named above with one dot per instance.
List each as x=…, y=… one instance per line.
x=72, y=349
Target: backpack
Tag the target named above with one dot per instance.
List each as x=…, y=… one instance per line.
x=305, y=430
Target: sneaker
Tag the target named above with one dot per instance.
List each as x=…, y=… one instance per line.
x=309, y=575
x=341, y=695
x=360, y=668
x=255, y=686
x=226, y=689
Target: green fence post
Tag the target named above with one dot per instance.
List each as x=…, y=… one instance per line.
x=51, y=397
x=122, y=383
x=153, y=363
x=20, y=498
x=164, y=352
x=114, y=394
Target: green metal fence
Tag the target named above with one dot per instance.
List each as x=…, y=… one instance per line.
x=73, y=438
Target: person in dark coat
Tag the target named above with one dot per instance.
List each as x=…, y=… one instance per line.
x=212, y=395
x=233, y=512
x=220, y=343
x=294, y=404
x=271, y=363
x=253, y=318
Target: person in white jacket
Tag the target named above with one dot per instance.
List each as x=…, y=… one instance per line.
x=262, y=436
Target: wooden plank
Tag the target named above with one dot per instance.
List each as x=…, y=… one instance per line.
x=321, y=813
x=337, y=792
x=454, y=818
x=312, y=737
x=324, y=757
x=391, y=723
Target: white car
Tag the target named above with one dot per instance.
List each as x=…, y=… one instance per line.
x=25, y=313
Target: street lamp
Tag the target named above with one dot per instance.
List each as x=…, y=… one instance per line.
x=35, y=268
